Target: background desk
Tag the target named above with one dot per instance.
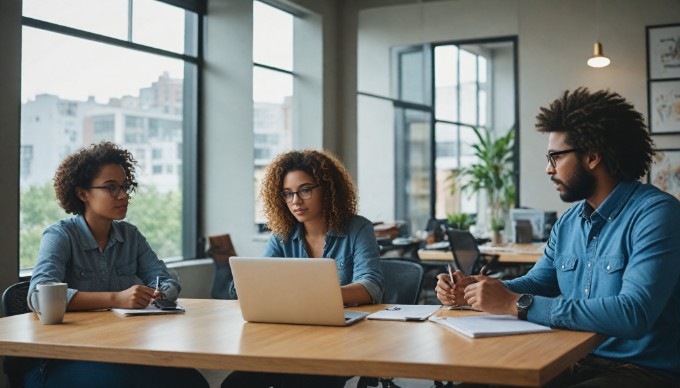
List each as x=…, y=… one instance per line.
x=513, y=253
x=212, y=335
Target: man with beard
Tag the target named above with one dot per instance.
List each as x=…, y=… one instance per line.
x=612, y=262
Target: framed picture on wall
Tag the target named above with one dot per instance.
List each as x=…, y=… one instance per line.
x=665, y=171
x=664, y=107
x=663, y=52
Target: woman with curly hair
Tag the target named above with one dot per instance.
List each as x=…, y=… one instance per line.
x=100, y=256
x=311, y=205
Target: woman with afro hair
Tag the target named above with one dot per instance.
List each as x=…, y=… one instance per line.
x=100, y=256
x=311, y=204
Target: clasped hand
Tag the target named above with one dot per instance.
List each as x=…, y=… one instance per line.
x=137, y=297
x=480, y=292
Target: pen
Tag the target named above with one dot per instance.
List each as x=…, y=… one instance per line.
x=484, y=270
x=450, y=274
x=158, y=281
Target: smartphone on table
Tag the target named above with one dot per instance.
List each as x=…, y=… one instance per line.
x=165, y=304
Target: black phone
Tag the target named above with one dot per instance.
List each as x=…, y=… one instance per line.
x=165, y=304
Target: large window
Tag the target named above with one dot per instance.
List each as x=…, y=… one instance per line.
x=272, y=89
x=438, y=93
x=119, y=70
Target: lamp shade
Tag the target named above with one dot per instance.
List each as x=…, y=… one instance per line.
x=598, y=59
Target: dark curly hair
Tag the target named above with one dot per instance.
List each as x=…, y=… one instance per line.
x=80, y=168
x=602, y=122
x=339, y=195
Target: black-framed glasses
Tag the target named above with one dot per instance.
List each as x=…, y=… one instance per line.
x=114, y=188
x=551, y=155
x=303, y=193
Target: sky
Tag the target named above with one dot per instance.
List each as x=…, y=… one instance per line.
x=76, y=69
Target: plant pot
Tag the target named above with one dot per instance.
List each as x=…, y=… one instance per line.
x=496, y=238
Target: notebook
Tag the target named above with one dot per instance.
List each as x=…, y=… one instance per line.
x=148, y=310
x=286, y=290
x=477, y=326
x=405, y=312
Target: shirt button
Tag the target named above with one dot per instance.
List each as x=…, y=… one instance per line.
x=589, y=265
x=609, y=267
x=586, y=291
x=594, y=237
x=562, y=266
x=82, y=274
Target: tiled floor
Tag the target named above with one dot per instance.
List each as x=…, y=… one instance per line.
x=215, y=378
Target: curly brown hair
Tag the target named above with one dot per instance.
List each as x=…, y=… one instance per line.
x=339, y=195
x=602, y=122
x=80, y=168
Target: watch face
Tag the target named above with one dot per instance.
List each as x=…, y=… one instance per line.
x=524, y=301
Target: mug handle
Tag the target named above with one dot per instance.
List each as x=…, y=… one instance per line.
x=30, y=298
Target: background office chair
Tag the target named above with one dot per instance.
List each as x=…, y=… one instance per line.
x=466, y=255
x=221, y=249
x=14, y=303
x=402, y=280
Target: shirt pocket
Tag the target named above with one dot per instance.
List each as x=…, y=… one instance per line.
x=566, y=273
x=609, y=274
x=82, y=279
x=345, y=269
x=126, y=276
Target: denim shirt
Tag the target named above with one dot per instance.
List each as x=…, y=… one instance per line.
x=355, y=251
x=615, y=270
x=69, y=253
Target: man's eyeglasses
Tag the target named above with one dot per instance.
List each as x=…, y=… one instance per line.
x=303, y=193
x=114, y=188
x=551, y=155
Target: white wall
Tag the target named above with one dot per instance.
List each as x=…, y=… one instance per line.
x=227, y=199
x=555, y=39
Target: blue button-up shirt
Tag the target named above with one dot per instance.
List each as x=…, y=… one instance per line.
x=615, y=270
x=69, y=253
x=355, y=251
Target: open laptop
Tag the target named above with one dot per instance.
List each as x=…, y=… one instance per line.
x=285, y=290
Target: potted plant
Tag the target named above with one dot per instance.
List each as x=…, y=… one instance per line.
x=461, y=221
x=497, y=225
x=492, y=173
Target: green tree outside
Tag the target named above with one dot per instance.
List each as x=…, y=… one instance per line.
x=157, y=215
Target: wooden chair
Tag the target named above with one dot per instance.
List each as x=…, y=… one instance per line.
x=221, y=249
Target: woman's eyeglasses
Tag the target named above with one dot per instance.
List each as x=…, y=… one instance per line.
x=303, y=193
x=551, y=155
x=114, y=188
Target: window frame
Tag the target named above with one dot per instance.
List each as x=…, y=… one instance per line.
x=399, y=105
x=192, y=246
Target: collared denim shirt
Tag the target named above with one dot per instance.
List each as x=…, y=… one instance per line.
x=69, y=253
x=615, y=270
x=355, y=251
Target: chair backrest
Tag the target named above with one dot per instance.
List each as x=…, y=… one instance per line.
x=14, y=299
x=403, y=279
x=466, y=255
x=221, y=248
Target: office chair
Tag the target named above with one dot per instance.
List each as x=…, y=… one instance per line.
x=403, y=279
x=14, y=303
x=466, y=255
x=220, y=250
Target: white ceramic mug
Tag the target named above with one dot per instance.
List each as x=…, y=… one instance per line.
x=48, y=300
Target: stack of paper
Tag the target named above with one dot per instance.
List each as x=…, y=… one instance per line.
x=148, y=310
x=405, y=312
x=476, y=326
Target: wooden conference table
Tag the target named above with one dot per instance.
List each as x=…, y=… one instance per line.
x=510, y=253
x=212, y=335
